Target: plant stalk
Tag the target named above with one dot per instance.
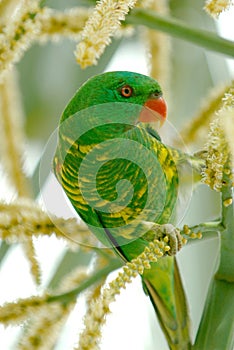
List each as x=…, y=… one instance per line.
x=181, y=30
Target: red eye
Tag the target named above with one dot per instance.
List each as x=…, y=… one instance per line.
x=126, y=91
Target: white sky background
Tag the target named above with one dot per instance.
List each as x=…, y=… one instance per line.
x=132, y=307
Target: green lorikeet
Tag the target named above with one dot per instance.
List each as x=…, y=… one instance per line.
x=123, y=181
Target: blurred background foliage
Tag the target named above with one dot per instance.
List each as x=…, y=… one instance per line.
x=54, y=74
x=49, y=76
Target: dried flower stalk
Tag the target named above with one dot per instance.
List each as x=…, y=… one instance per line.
x=227, y=116
x=8, y=8
x=95, y=292
x=46, y=24
x=219, y=148
x=215, y=7
x=99, y=309
x=12, y=146
x=198, y=126
x=228, y=98
x=17, y=35
x=11, y=134
x=44, y=327
x=55, y=24
x=17, y=312
x=100, y=27
x=45, y=318
x=23, y=219
x=216, y=156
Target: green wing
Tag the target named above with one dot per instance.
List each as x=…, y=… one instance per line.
x=113, y=195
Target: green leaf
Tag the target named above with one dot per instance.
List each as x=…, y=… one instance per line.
x=216, y=331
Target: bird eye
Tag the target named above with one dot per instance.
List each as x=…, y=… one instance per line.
x=156, y=94
x=126, y=91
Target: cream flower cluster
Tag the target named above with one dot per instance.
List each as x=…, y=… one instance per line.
x=100, y=27
x=215, y=7
x=219, y=147
x=99, y=309
x=23, y=219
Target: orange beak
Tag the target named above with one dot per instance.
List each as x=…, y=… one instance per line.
x=155, y=109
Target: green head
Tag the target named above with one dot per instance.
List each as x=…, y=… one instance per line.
x=107, y=106
x=121, y=86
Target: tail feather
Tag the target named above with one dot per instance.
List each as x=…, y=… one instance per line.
x=175, y=325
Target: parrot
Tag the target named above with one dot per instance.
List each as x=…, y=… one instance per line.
x=123, y=181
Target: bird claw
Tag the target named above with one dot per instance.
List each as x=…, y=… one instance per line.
x=172, y=233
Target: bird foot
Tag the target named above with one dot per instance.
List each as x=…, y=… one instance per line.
x=169, y=234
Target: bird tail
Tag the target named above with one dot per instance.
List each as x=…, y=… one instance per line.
x=169, y=301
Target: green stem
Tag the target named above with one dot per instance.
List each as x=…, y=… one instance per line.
x=208, y=229
x=181, y=30
x=208, y=226
x=95, y=277
x=3, y=250
x=216, y=330
x=226, y=265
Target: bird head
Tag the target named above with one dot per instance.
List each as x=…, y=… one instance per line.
x=105, y=107
x=124, y=87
